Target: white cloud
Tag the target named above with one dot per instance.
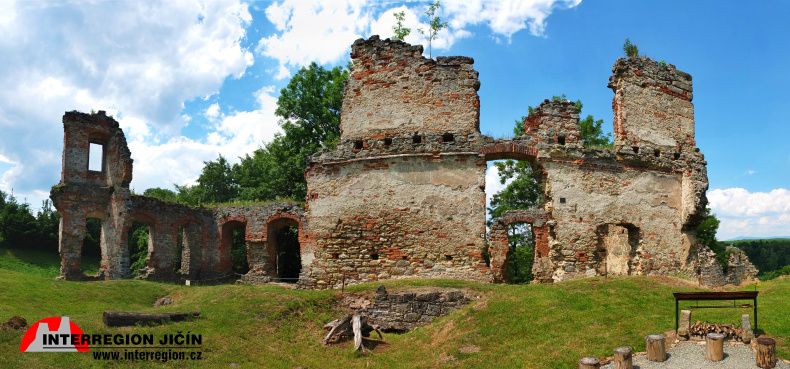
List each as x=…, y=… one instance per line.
x=313, y=30
x=751, y=214
x=322, y=31
x=212, y=112
x=180, y=160
x=137, y=60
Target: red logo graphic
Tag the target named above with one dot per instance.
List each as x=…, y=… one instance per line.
x=53, y=335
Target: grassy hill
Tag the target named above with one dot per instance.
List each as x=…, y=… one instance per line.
x=529, y=326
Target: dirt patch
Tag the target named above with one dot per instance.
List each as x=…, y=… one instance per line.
x=15, y=323
x=469, y=349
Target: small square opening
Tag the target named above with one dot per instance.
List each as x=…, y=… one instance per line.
x=448, y=137
x=676, y=155
x=562, y=200
x=561, y=139
x=96, y=157
x=448, y=257
x=387, y=141
x=657, y=153
x=374, y=256
x=636, y=149
x=416, y=139
x=358, y=145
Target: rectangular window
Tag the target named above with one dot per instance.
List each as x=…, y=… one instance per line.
x=96, y=157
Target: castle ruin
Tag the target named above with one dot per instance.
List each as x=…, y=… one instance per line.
x=402, y=195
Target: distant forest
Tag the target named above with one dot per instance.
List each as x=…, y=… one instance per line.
x=770, y=256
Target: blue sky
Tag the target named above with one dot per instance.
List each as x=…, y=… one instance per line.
x=190, y=80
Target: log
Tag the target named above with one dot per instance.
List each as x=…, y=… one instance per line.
x=714, y=347
x=589, y=362
x=130, y=318
x=766, y=352
x=356, y=324
x=623, y=358
x=656, y=350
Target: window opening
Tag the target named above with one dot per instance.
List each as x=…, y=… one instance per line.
x=96, y=157
x=448, y=137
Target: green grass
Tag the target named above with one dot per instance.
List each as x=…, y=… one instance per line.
x=532, y=326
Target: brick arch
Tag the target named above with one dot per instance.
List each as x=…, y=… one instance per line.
x=499, y=249
x=225, y=235
x=275, y=223
x=509, y=150
x=280, y=216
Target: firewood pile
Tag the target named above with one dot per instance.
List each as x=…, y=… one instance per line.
x=730, y=331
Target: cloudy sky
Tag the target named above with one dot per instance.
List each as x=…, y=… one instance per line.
x=189, y=80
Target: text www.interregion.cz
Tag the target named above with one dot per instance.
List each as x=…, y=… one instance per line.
x=163, y=356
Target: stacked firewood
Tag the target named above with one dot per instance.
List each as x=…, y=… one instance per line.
x=728, y=330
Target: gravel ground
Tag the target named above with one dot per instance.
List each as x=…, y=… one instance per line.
x=689, y=355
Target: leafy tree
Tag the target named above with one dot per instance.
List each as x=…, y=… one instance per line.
x=310, y=107
x=18, y=228
x=399, y=30
x=48, y=223
x=138, y=247
x=435, y=26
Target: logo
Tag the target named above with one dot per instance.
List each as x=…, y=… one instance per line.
x=54, y=335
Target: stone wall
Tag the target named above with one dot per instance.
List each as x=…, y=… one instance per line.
x=402, y=194
x=402, y=311
x=105, y=195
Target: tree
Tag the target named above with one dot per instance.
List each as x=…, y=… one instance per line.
x=522, y=193
x=398, y=29
x=310, y=110
x=435, y=26
x=18, y=227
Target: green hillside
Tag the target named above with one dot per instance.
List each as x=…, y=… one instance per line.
x=520, y=326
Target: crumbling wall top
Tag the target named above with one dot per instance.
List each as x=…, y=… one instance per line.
x=393, y=91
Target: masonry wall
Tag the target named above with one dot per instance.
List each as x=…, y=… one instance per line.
x=105, y=194
x=402, y=196
x=394, y=91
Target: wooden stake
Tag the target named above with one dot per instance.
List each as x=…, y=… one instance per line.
x=589, y=362
x=622, y=358
x=656, y=350
x=714, y=347
x=766, y=352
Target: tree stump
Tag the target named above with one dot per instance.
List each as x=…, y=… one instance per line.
x=766, y=352
x=589, y=362
x=714, y=347
x=656, y=351
x=622, y=358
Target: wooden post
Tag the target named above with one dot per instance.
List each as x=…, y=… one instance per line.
x=589, y=362
x=766, y=352
x=622, y=358
x=656, y=351
x=714, y=347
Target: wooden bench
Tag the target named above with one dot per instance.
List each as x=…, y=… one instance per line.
x=720, y=296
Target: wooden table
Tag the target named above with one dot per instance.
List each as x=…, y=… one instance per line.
x=720, y=296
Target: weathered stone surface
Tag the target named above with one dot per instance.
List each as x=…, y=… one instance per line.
x=747, y=334
x=685, y=323
x=105, y=195
x=402, y=194
x=402, y=311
